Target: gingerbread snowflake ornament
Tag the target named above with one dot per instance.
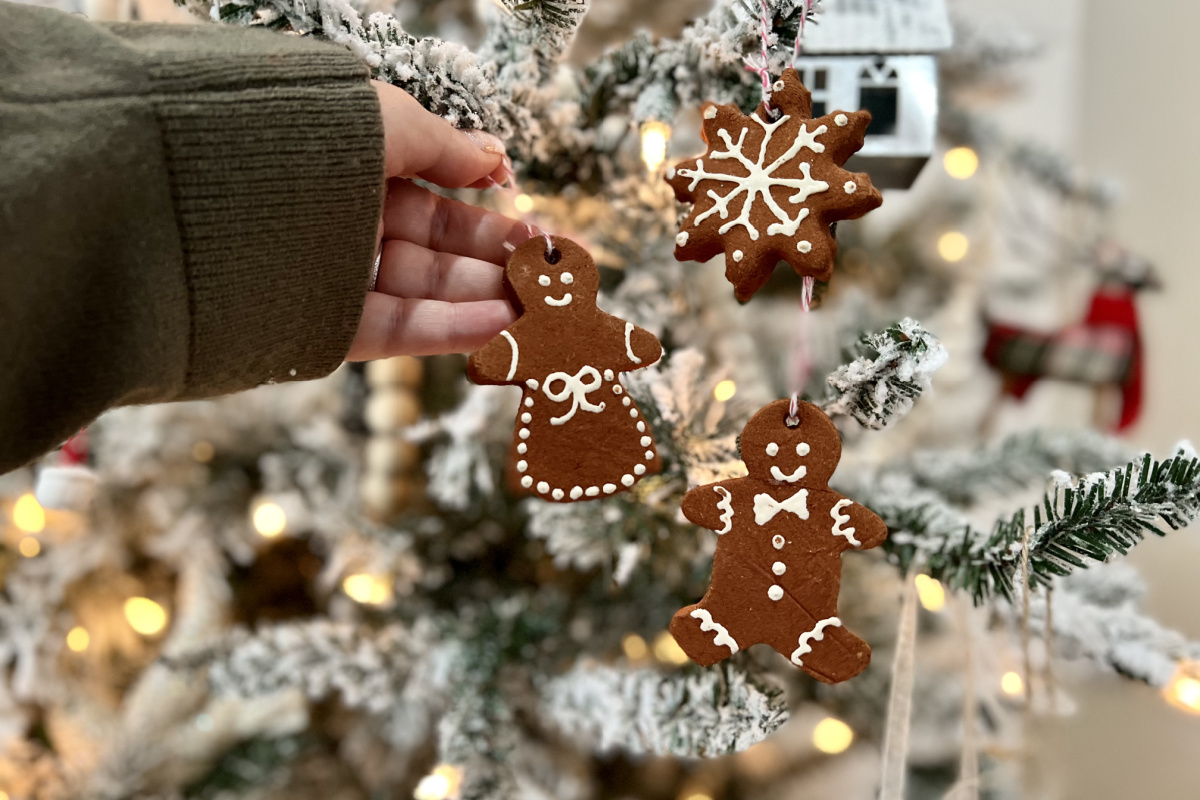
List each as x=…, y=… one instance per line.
x=770, y=186
x=579, y=435
x=778, y=564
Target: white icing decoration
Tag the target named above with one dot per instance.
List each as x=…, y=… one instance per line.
x=815, y=635
x=639, y=469
x=608, y=374
x=646, y=441
x=737, y=255
x=681, y=239
x=532, y=384
x=766, y=507
x=574, y=388
x=778, y=475
x=841, y=519
x=592, y=491
x=629, y=344
x=726, y=507
x=527, y=481
x=777, y=542
x=512, y=367
x=576, y=492
x=567, y=278
x=527, y=418
x=565, y=300
x=626, y=401
x=522, y=466
x=641, y=426
x=627, y=479
x=777, y=86
x=523, y=433
x=558, y=494
x=529, y=402
x=543, y=487
x=670, y=173
x=522, y=447
x=840, y=120
x=803, y=449
x=710, y=112
x=633, y=412
x=617, y=389
x=649, y=455
x=779, y=568
x=707, y=623
x=760, y=180
x=609, y=488
x=804, y=246
x=851, y=187
x=775, y=592
x=544, y=280
x=772, y=449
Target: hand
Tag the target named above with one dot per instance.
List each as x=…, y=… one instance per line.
x=440, y=284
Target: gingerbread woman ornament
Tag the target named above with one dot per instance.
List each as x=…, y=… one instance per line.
x=778, y=563
x=579, y=435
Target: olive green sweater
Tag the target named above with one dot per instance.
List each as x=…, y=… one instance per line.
x=184, y=211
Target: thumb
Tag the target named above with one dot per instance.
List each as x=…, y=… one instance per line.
x=418, y=144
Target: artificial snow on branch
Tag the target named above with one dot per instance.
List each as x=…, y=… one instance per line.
x=643, y=710
x=1097, y=615
x=893, y=368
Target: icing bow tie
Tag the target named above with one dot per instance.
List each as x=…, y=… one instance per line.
x=575, y=388
x=766, y=507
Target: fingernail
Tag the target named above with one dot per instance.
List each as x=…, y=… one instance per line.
x=486, y=142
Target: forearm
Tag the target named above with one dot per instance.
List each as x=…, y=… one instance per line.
x=184, y=211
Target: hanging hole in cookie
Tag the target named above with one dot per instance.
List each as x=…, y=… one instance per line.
x=553, y=256
x=792, y=419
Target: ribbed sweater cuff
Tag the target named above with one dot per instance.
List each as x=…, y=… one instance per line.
x=276, y=169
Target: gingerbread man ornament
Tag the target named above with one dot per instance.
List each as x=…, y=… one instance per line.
x=777, y=568
x=579, y=435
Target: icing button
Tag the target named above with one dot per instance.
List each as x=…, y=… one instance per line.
x=777, y=541
x=779, y=568
x=775, y=592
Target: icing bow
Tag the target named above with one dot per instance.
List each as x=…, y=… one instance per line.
x=575, y=388
x=766, y=507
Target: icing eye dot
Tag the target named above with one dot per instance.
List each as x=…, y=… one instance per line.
x=772, y=449
x=778, y=86
x=544, y=280
x=567, y=278
x=802, y=449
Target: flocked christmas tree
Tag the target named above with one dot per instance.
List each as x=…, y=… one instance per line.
x=325, y=589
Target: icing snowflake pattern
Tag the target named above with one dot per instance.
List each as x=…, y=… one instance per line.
x=770, y=186
x=760, y=180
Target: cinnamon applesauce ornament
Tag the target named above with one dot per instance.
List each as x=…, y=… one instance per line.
x=778, y=564
x=579, y=435
x=770, y=186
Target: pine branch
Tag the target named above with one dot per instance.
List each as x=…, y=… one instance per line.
x=891, y=371
x=1097, y=615
x=690, y=714
x=1080, y=522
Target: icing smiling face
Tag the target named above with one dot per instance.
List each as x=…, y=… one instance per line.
x=548, y=283
x=802, y=456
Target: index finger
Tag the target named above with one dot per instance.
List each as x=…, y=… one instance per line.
x=418, y=144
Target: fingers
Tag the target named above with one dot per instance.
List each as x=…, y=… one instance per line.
x=417, y=215
x=409, y=270
x=393, y=326
x=418, y=144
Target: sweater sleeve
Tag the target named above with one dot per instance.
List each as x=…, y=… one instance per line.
x=184, y=211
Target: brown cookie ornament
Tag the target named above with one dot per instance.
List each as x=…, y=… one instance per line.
x=579, y=435
x=769, y=187
x=777, y=568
